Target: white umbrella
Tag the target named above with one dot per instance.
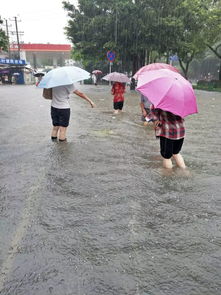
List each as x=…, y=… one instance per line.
x=63, y=76
x=117, y=77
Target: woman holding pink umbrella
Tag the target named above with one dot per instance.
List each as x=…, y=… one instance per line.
x=172, y=99
x=171, y=131
x=144, y=71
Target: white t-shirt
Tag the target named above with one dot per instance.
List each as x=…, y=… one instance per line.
x=60, y=96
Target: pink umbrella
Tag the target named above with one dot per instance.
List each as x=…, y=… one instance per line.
x=117, y=77
x=169, y=91
x=97, y=72
x=154, y=66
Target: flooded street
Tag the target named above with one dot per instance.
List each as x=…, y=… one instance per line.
x=98, y=214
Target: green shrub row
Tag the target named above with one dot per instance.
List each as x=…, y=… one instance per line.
x=212, y=83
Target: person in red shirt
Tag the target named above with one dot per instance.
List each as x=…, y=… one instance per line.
x=118, y=90
x=171, y=131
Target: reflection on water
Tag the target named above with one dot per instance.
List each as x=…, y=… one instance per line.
x=99, y=214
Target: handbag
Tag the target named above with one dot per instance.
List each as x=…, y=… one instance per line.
x=47, y=93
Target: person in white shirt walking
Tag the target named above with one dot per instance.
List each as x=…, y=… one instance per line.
x=60, y=109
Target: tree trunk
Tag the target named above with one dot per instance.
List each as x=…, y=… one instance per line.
x=220, y=71
x=135, y=64
x=184, y=68
x=167, y=58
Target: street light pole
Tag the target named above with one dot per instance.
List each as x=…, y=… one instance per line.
x=18, y=44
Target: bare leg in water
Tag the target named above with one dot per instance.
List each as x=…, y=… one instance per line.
x=59, y=131
x=167, y=163
x=179, y=161
x=54, y=132
x=62, y=133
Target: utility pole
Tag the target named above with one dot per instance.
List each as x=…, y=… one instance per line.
x=17, y=33
x=7, y=33
x=16, y=27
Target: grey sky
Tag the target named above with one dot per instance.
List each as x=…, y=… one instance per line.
x=42, y=21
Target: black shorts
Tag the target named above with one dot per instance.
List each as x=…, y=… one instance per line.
x=170, y=147
x=118, y=105
x=60, y=117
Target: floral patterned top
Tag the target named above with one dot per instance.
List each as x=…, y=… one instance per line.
x=118, y=90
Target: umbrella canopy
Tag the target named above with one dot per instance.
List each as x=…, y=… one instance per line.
x=169, y=91
x=97, y=72
x=117, y=77
x=154, y=66
x=63, y=76
x=39, y=74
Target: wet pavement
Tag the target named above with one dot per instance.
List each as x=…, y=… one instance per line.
x=98, y=214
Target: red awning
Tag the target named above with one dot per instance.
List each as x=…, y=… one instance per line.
x=43, y=47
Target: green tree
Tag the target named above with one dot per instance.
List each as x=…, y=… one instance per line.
x=200, y=23
x=97, y=26
x=88, y=31
x=213, y=30
x=140, y=31
x=216, y=49
x=3, y=38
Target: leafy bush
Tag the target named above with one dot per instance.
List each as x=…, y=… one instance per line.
x=216, y=83
x=88, y=81
x=202, y=83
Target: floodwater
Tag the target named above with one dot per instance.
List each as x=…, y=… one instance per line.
x=98, y=214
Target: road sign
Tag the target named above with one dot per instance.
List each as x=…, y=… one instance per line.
x=111, y=56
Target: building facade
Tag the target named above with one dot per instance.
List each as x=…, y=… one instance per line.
x=43, y=55
x=15, y=71
x=19, y=64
